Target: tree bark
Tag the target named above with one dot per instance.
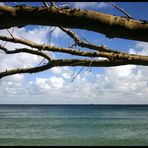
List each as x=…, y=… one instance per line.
x=109, y=25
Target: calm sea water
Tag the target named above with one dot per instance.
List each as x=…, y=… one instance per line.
x=74, y=125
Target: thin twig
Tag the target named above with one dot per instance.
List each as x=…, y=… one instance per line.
x=10, y=33
x=86, y=40
x=5, y=44
x=46, y=4
x=73, y=45
x=52, y=3
x=74, y=71
x=50, y=34
x=41, y=62
x=89, y=67
x=122, y=10
x=77, y=74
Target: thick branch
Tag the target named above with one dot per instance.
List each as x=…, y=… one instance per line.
x=111, y=26
x=110, y=55
x=70, y=33
x=72, y=62
x=95, y=63
x=24, y=70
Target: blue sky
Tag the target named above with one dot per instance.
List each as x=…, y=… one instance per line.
x=115, y=85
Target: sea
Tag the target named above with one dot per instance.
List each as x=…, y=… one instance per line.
x=74, y=125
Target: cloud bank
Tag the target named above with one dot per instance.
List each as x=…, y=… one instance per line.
x=117, y=85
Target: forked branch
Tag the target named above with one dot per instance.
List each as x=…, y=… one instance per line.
x=65, y=17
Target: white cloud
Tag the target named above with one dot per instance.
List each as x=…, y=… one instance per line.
x=17, y=77
x=56, y=82
x=50, y=83
x=108, y=87
x=122, y=84
x=2, y=3
x=38, y=35
x=42, y=83
x=122, y=71
x=56, y=70
x=65, y=72
x=13, y=86
x=142, y=46
x=85, y=5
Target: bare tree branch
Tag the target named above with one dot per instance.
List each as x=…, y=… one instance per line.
x=96, y=56
x=24, y=70
x=73, y=62
x=110, y=55
x=111, y=26
x=25, y=50
x=84, y=44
